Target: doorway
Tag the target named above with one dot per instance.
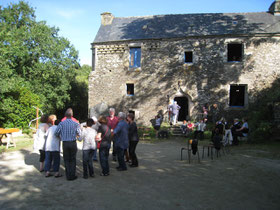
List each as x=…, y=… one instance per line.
x=183, y=102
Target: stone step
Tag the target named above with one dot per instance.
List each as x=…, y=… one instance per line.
x=175, y=128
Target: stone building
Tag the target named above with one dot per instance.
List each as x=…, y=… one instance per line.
x=140, y=64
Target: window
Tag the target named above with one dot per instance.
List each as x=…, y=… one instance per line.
x=234, y=52
x=135, y=57
x=132, y=112
x=130, y=89
x=237, y=95
x=135, y=113
x=189, y=57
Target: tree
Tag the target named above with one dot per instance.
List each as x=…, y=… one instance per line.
x=18, y=106
x=34, y=58
x=79, y=94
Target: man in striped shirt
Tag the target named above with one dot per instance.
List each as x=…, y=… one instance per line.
x=68, y=130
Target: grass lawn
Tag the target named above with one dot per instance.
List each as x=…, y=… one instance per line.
x=21, y=142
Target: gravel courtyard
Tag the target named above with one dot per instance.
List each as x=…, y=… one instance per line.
x=242, y=179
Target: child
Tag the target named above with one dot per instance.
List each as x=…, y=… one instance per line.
x=52, y=149
x=89, y=145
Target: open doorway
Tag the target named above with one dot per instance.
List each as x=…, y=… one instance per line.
x=183, y=102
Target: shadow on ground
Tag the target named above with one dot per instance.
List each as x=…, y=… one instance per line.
x=239, y=180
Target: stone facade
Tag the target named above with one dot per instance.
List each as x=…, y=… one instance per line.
x=164, y=75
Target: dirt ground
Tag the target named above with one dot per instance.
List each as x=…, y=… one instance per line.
x=242, y=179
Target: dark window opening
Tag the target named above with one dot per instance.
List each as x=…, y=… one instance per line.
x=130, y=89
x=234, y=52
x=237, y=95
x=135, y=57
x=132, y=112
x=188, y=57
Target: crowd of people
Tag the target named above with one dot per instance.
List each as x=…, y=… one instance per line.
x=222, y=131
x=95, y=135
x=120, y=131
x=196, y=128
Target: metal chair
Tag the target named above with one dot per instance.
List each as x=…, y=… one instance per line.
x=210, y=148
x=189, y=150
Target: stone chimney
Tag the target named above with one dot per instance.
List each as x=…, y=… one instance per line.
x=106, y=18
x=275, y=8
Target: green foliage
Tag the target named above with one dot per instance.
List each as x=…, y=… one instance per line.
x=17, y=107
x=261, y=113
x=83, y=73
x=261, y=132
x=79, y=94
x=34, y=60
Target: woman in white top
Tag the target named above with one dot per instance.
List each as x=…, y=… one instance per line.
x=52, y=149
x=89, y=145
x=39, y=140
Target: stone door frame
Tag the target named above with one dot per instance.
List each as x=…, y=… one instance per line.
x=190, y=101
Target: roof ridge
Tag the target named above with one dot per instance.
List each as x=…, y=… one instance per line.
x=209, y=13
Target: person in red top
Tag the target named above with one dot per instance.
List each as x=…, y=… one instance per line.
x=112, y=122
x=190, y=127
x=72, y=118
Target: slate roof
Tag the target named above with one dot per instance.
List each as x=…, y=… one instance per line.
x=175, y=26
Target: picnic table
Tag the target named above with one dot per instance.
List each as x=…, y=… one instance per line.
x=9, y=134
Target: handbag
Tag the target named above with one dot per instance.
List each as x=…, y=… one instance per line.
x=99, y=142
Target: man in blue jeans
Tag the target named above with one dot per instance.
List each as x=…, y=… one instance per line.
x=121, y=140
x=68, y=130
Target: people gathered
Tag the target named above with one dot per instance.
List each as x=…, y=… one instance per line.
x=96, y=135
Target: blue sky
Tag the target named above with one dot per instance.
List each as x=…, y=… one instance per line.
x=79, y=20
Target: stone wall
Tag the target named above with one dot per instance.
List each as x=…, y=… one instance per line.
x=164, y=75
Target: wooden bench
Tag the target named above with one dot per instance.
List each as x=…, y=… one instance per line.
x=8, y=133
